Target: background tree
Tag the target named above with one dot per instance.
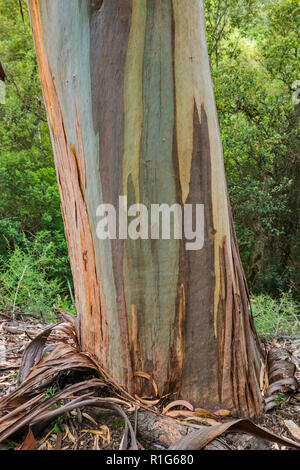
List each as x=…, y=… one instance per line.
x=257, y=65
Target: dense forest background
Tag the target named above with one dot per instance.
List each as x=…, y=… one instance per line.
x=253, y=46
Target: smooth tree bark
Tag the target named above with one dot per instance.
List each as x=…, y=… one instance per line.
x=131, y=110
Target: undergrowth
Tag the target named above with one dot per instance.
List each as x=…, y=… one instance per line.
x=28, y=280
x=279, y=316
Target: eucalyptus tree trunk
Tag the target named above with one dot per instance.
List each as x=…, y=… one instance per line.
x=131, y=111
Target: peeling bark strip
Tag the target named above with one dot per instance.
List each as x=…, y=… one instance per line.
x=132, y=113
x=70, y=168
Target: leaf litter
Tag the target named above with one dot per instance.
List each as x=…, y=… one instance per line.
x=36, y=414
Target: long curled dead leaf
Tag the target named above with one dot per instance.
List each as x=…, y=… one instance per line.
x=62, y=357
x=146, y=376
x=26, y=413
x=33, y=353
x=178, y=403
x=200, y=439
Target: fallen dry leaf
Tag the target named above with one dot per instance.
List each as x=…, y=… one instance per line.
x=197, y=419
x=29, y=443
x=178, y=403
x=146, y=376
x=68, y=434
x=222, y=413
x=89, y=418
x=146, y=401
x=104, y=433
x=202, y=413
x=180, y=413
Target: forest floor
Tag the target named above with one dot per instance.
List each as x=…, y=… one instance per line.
x=80, y=430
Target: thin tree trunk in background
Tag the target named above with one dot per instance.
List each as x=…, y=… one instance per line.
x=131, y=110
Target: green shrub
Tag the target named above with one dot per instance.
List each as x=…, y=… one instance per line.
x=29, y=281
x=276, y=316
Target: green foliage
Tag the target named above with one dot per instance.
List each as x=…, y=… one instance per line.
x=11, y=445
x=51, y=391
x=29, y=196
x=276, y=316
x=31, y=226
x=118, y=423
x=58, y=423
x=280, y=399
x=254, y=50
x=29, y=278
